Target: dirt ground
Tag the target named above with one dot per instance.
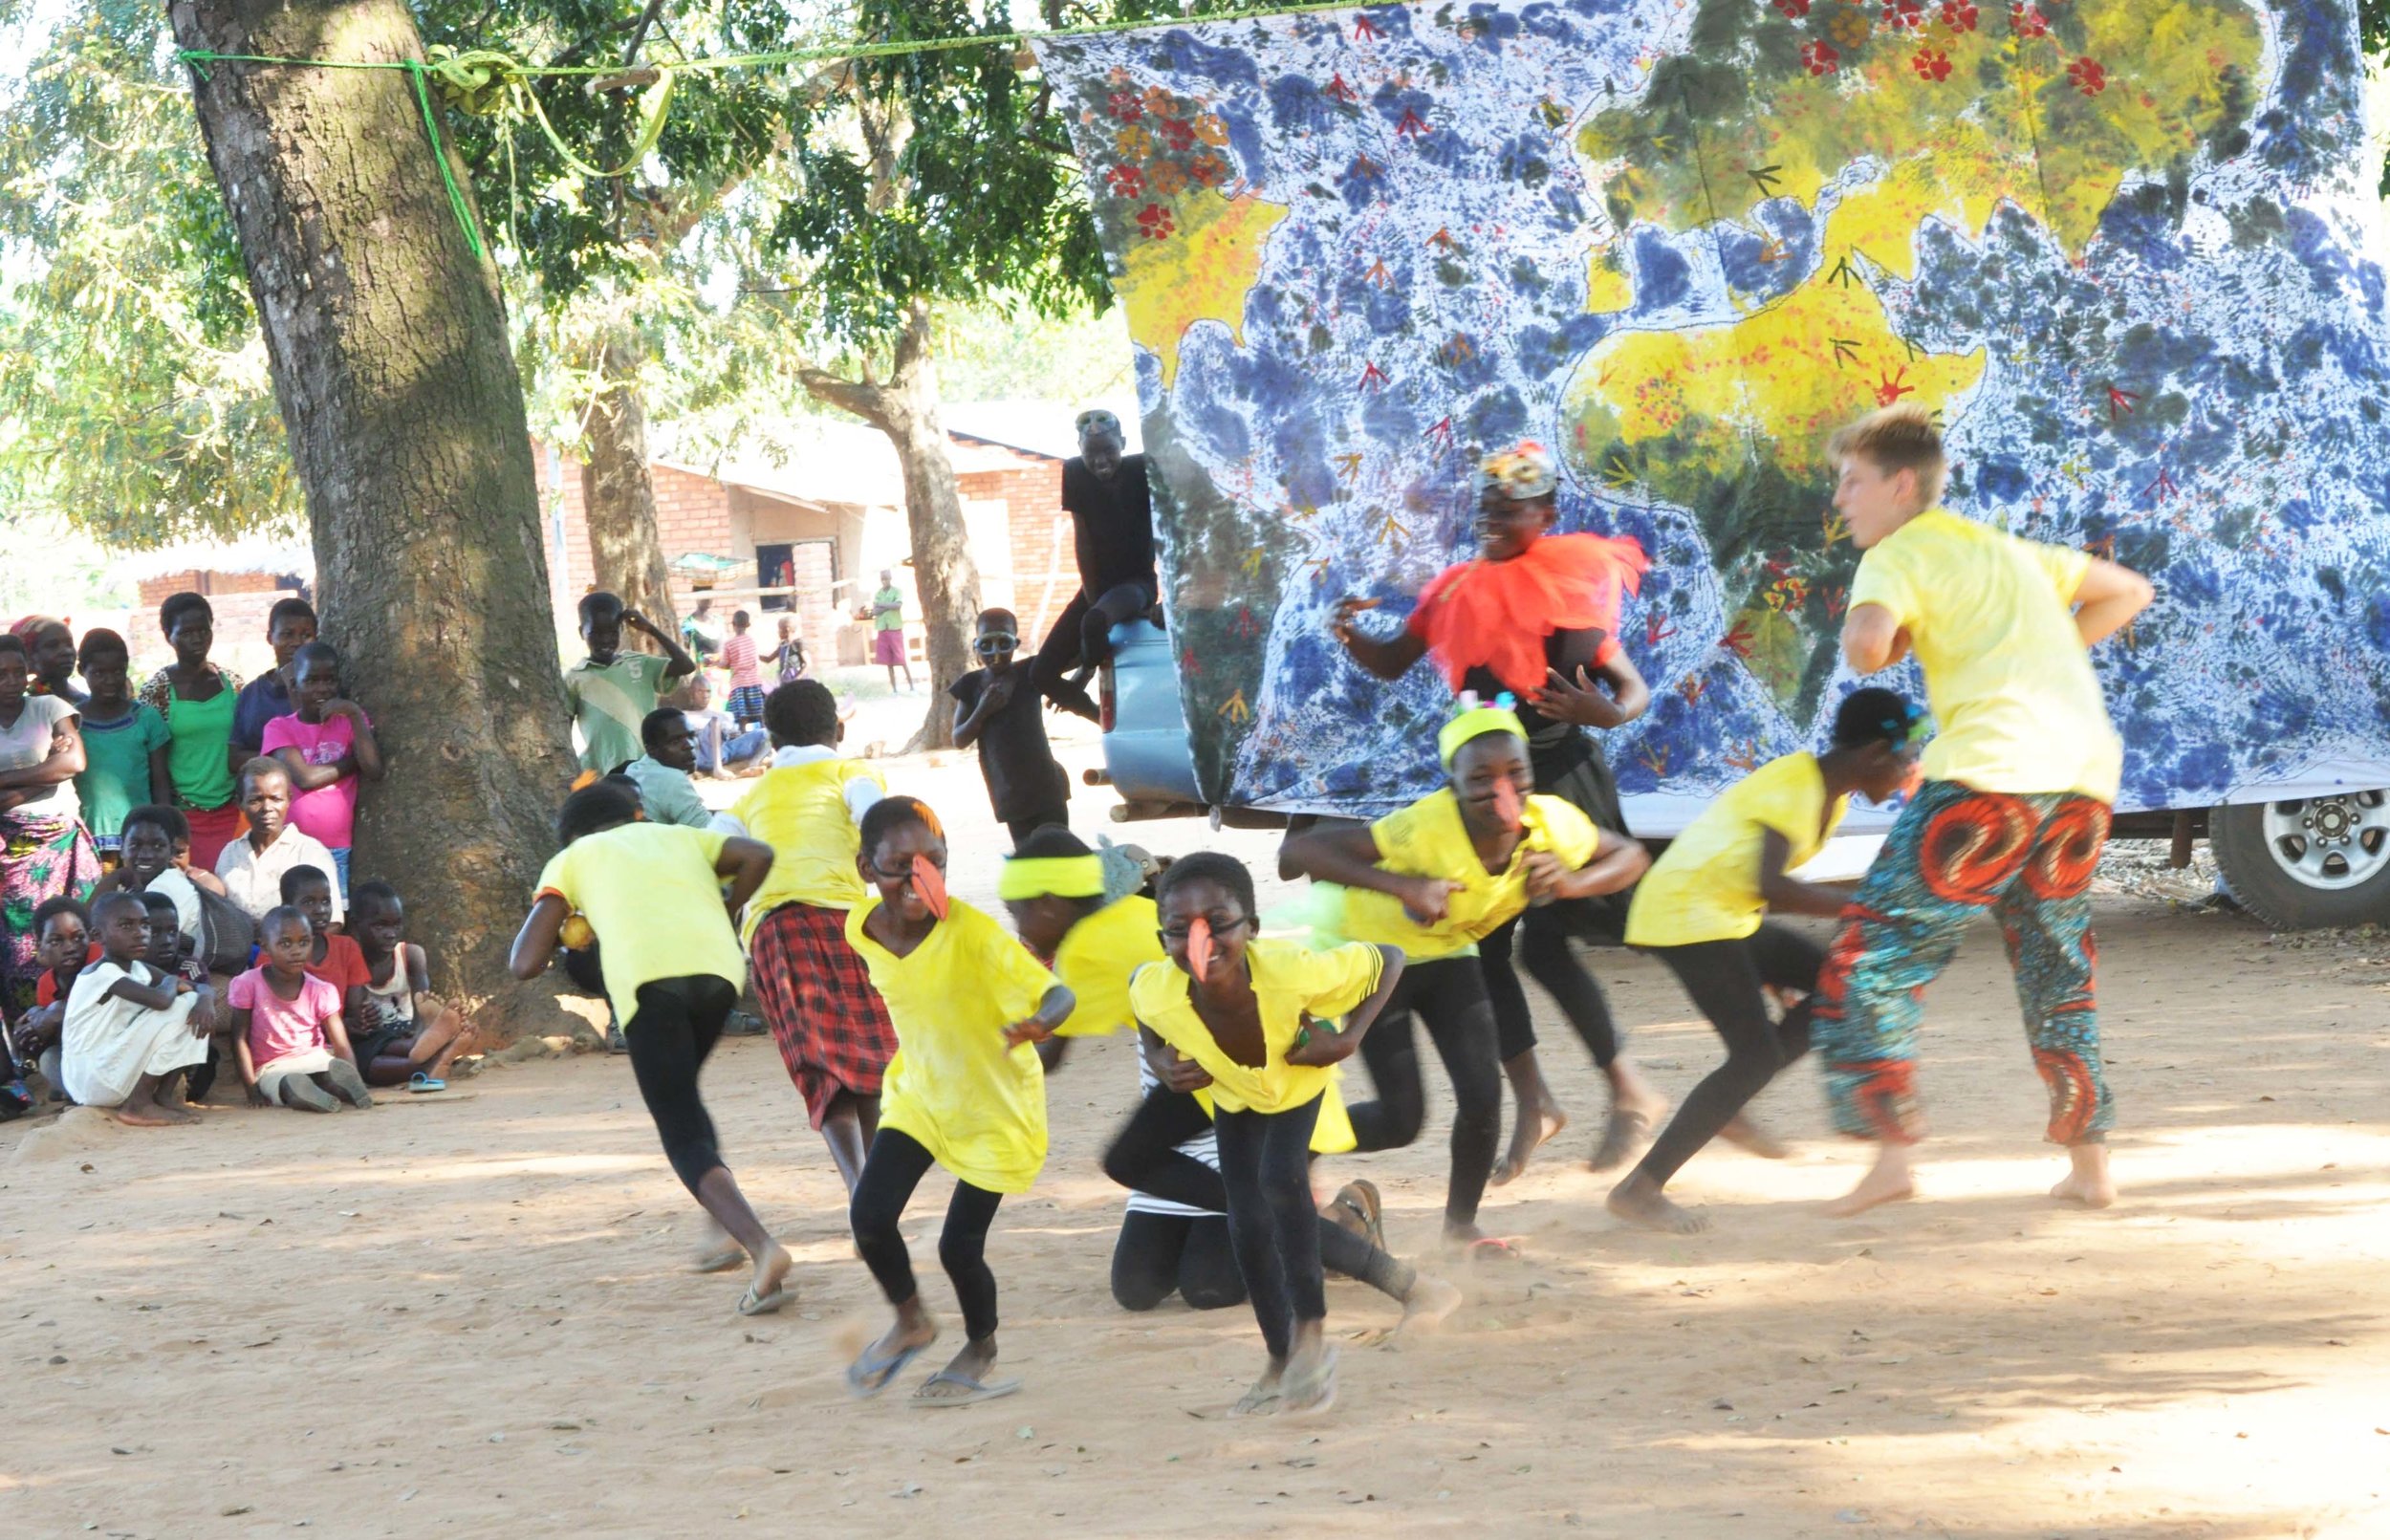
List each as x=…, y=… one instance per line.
x=471, y=1314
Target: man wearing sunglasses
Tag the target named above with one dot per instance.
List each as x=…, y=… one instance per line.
x=996, y=706
x=1112, y=526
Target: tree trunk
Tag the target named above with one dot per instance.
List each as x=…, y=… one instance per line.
x=388, y=344
x=620, y=493
x=906, y=410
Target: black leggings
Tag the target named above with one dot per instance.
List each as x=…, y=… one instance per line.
x=891, y=1171
x=670, y=1032
x=1188, y=1254
x=1266, y=1161
x=1082, y=636
x=1447, y=994
x=1553, y=963
x=1145, y=1157
x=1725, y=979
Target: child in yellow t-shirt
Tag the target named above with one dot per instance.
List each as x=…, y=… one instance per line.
x=1700, y=912
x=965, y=1091
x=2013, y=813
x=1247, y=1018
x=654, y=896
x=830, y=1024
x=1435, y=878
x=1079, y=907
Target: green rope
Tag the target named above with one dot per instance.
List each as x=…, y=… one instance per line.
x=478, y=79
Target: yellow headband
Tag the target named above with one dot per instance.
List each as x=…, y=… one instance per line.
x=1060, y=877
x=1476, y=723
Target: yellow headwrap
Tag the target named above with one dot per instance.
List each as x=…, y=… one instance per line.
x=1060, y=877
x=1475, y=721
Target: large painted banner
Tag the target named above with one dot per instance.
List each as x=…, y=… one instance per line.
x=2127, y=248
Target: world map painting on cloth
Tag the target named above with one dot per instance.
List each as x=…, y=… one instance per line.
x=2127, y=249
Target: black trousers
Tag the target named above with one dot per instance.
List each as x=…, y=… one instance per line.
x=1020, y=829
x=674, y=1027
x=1186, y=1254
x=1725, y=980
x=1145, y=1157
x=1082, y=638
x=891, y=1171
x=1449, y=995
x=1542, y=938
x=1266, y=1162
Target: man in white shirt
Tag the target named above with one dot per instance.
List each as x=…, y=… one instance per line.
x=253, y=865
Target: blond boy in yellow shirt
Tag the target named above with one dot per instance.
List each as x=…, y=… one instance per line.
x=2014, y=811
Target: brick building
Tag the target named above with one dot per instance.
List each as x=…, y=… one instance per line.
x=827, y=517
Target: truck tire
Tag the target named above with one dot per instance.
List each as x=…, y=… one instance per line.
x=2308, y=863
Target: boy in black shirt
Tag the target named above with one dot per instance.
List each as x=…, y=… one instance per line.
x=997, y=707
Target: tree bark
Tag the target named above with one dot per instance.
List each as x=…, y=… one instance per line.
x=388, y=345
x=905, y=408
x=620, y=493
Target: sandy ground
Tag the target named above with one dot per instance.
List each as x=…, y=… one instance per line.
x=471, y=1314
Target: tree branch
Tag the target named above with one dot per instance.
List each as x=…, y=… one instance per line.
x=638, y=34
x=866, y=402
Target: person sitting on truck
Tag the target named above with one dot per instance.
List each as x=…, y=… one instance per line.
x=1436, y=879
x=1112, y=527
x=1536, y=615
x=996, y=707
x=2013, y=813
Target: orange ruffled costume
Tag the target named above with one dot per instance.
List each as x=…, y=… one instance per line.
x=1495, y=615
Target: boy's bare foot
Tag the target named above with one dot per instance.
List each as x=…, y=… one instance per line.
x=1430, y=1302
x=1639, y=1200
x=1310, y=1385
x=2088, y=1183
x=142, y=1114
x=1745, y=1135
x=885, y=1360
x=1631, y=1123
x=1889, y=1181
x=1530, y=1131
x=1263, y=1399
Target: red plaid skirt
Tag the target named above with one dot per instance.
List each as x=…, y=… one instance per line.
x=831, y=1026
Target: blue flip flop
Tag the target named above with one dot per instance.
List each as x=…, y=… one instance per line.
x=867, y=1376
x=974, y=1391
x=421, y=1083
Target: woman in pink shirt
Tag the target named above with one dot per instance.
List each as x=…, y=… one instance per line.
x=326, y=744
x=747, y=677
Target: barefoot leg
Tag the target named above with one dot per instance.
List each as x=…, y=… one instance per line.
x=1537, y=1119
x=718, y=1192
x=847, y=1128
x=1638, y=1200
x=1635, y=1109
x=1889, y=1181
x=140, y=1109
x=2087, y=1181
x=971, y=1365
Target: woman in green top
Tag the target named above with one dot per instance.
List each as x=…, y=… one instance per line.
x=887, y=630
x=197, y=699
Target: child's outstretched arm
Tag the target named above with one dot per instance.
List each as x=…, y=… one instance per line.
x=1319, y=1046
x=1348, y=853
x=1053, y=1010
x=1786, y=894
x=1388, y=660
x=535, y=944
x=1872, y=638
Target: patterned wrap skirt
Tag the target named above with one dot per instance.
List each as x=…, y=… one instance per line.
x=47, y=858
x=831, y=1026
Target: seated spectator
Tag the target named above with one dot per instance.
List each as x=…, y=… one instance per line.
x=405, y=1035
x=251, y=866
x=125, y=744
x=156, y=859
x=333, y=958
x=170, y=953
x=662, y=773
x=63, y=949
x=129, y=1033
x=287, y=1032
x=722, y=751
x=328, y=745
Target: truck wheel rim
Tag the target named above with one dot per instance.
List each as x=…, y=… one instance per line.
x=2332, y=841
